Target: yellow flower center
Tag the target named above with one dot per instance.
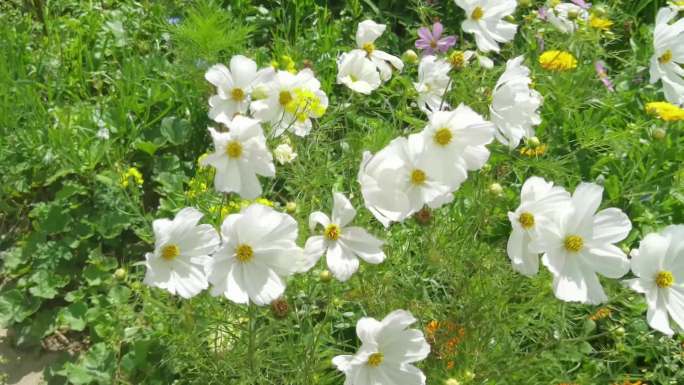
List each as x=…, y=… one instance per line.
x=666, y=57
x=332, y=232
x=443, y=136
x=418, y=177
x=477, y=14
x=244, y=253
x=526, y=220
x=573, y=243
x=237, y=94
x=169, y=252
x=369, y=48
x=285, y=98
x=234, y=149
x=457, y=59
x=375, y=359
x=664, y=279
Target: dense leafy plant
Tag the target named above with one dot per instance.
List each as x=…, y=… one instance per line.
x=103, y=117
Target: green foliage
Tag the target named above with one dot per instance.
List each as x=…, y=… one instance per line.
x=104, y=87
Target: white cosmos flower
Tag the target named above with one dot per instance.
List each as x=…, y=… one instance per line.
x=659, y=267
x=257, y=254
x=402, y=178
x=343, y=245
x=515, y=105
x=239, y=155
x=357, y=72
x=433, y=83
x=388, y=348
x=564, y=16
x=234, y=87
x=456, y=139
x=485, y=21
x=291, y=101
x=668, y=41
x=368, y=31
x=539, y=201
x=580, y=244
x=181, y=250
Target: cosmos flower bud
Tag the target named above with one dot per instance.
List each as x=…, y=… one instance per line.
x=291, y=207
x=534, y=141
x=495, y=189
x=325, y=276
x=410, y=56
x=659, y=133
x=120, y=274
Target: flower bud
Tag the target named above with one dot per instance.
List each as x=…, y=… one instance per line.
x=659, y=133
x=325, y=276
x=495, y=189
x=120, y=274
x=534, y=141
x=410, y=56
x=291, y=207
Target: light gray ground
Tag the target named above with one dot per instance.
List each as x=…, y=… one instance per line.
x=22, y=368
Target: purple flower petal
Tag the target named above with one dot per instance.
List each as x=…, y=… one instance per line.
x=446, y=43
x=603, y=75
x=437, y=30
x=425, y=34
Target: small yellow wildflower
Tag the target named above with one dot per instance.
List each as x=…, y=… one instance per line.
x=665, y=111
x=533, y=149
x=132, y=172
x=289, y=64
x=600, y=23
x=557, y=61
x=305, y=103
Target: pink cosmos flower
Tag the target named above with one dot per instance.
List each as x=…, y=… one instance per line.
x=603, y=75
x=432, y=41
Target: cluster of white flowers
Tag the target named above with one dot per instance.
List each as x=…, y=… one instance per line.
x=257, y=250
x=577, y=243
x=425, y=168
x=364, y=68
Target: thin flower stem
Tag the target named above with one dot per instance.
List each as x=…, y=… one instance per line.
x=252, y=337
x=446, y=91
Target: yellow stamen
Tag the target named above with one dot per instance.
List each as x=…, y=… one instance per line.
x=477, y=14
x=237, y=94
x=234, y=149
x=526, y=220
x=332, y=232
x=369, y=48
x=285, y=98
x=169, y=252
x=375, y=359
x=666, y=57
x=664, y=279
x=573, y=243
x=418, y=177
x=244, y=253
x=443, y=136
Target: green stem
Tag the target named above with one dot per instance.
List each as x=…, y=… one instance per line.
x=252, y=338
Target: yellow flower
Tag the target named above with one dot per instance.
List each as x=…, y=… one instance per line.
x=557, y=61
x=600, y=23
x=304, y=104
x=132, y=172
x=533, y=151
x=288, y=63
x=665, y=111
x=600, y=314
